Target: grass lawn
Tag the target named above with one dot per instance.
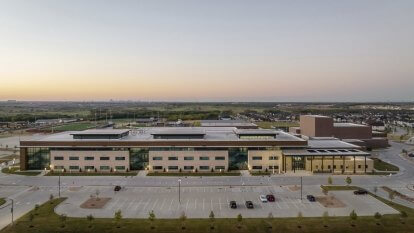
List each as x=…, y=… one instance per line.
x=92, y=174
x=2, y=201
x=45, y=221
x=16, y=171
x=384, y=166
x=269, y=125
x=194, y=174
x=74, y=126
x=260, y=173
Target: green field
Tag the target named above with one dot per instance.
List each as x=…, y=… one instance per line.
x=16, y=171
x=384, y=166
x=74, y=126
x=44, y=220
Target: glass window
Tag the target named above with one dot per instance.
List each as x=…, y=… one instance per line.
x=73, y=167
x=256, y=167
x=275, y=167
x=188, y=167
x=156, y=158
x=89, y=167
x=120, y=167
x=204, y=167
x=257, y=158
x=220, y=158
x=172, y=167
x=188, y=158
x=119, y=158
x=172, y=158
x=37, y=158
x=204, y=158
x=73, y=158
x=273, y=158
x=89, y=158
x=58, y=157
x=104, y=168
x=59, y=167
x=219, y=167
x=157, y=167
x=104, y=158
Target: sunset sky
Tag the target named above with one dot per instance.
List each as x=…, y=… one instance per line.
x=353, y=50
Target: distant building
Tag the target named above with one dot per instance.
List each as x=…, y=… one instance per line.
x=323, y=126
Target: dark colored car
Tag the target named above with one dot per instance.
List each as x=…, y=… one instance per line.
x=233, y=205
x=360, y=192
x=117, y=188
x=411, y=154
x=270, y=198
x=249, y=205
x=311, y=198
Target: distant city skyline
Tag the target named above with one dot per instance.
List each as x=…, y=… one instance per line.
x=272, y=51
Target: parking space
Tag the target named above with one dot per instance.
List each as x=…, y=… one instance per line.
x=197, y=202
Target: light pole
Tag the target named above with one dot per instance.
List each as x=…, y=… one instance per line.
x=59, y=185
x=179, y=191
x=301, y=188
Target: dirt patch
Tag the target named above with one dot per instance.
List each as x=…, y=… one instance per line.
x=330, y=201
x=95, y=203
x=74, y=189
x=294, y=188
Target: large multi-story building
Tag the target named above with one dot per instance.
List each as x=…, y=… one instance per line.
x=190, y=149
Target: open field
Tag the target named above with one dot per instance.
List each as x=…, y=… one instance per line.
x=74, y=126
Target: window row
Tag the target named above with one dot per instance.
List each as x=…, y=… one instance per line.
x=201, y=168
x=91, y=167
x=188, y=158
x=260, y=158
x=87, y=158
x=261, y=167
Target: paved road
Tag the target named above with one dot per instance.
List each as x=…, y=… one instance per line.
x=27, y=197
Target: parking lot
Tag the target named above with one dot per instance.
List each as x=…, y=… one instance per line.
x=197, y=202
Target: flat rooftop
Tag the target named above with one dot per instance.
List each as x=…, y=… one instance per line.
x=224, y=134
x=348, y=125
x=226, y=123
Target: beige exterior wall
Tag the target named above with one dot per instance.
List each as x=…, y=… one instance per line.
x=265, y=161
x=180, y=163
x=66, y=163
x=328, y=164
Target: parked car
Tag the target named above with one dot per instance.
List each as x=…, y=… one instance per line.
x=233, y=205
x=360, y=192
x=270, y=198
x=249, y=205
x=117, y=188
x=311, y=198
x=411, y=154
x=263, y=198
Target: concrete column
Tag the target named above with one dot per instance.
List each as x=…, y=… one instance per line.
x=354, y=165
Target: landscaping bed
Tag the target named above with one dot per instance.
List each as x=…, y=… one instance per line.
x=193, y=174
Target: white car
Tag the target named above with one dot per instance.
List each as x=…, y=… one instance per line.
x=263, y=198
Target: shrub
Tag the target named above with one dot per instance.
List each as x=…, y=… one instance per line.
x=377, y=215
x=348, y=180
x=353, y=215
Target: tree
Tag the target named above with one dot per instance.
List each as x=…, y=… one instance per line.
x=151, y=217
x=375, y=190
x=183, y=217
x=239, y=220
x=377, y=216
x=391, y=195
x=403, y=214
x=51, y=198
x=212, y=218
x=36, y=208
x=118, y=217
x=62, y=218
x=90, y=218
x=353, y=215
x=348, y=180
x=31, y=217
x=330, y=180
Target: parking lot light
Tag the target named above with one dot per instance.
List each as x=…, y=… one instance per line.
x=179, y=190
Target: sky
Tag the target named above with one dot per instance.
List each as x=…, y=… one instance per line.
x=216, y=50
